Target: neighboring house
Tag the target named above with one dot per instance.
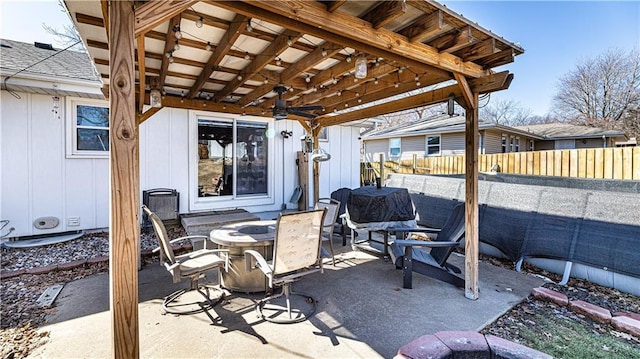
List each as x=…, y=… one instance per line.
x=442, y=135
x=54, y=150
x=560, y=136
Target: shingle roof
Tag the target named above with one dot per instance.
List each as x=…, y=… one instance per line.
x=564, y=130
x=16, y=56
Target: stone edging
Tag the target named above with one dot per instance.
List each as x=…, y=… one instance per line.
x=626, y=322
x=145, y=253
x=466, y=344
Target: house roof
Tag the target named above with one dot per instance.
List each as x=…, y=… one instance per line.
x=39, y=68
x=559, y=131
x=233, y=53
x=17, y=56
x=437, y=125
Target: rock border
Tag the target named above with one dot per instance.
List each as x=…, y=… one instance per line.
x=623, y=321
x=148, y=253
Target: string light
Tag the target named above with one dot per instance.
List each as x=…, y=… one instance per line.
x=177, y=31
x=177, y=46
x=199, y=22
x=395, y=84
x=348, y=59
x=307, y=79
x=278, y=61
x=239, y=77
x=246, y=55
x=289, y=41
x=208, y=47
x=324, y=52
x=375, y=81
x=249, y=27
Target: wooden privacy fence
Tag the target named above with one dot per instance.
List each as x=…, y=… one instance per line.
x=621, y=163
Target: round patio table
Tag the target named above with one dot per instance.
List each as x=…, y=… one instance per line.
x=237, y=238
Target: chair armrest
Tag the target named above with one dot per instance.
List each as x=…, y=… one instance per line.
x=188, y=237
x=201, y=252
x=414, y=243
x=416, y=229
x=261, y=262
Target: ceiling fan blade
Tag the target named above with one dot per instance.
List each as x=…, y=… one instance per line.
x=302, y=113
x=306, y=108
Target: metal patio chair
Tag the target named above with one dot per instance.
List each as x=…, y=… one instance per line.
x=332, y=206
x=296, y=253
x=191, y=265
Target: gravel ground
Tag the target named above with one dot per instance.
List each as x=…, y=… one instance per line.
x=21, y=317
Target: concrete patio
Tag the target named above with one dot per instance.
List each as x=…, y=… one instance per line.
x=363, y=312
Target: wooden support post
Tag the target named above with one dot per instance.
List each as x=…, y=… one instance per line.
x=381, y=167
x=124, y=226
x=471, y=201
x=316, y=167
x=303, y=181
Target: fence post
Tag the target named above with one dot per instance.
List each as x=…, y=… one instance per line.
x=415, y=163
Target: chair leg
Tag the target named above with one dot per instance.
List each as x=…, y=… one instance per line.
x=269, y=311
x=333, y=255
x=170, y=304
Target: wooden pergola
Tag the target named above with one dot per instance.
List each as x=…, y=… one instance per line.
x=227, y=56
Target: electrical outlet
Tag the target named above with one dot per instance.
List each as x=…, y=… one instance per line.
x=73, y=221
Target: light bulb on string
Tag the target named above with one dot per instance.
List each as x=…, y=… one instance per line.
x=199, y=22
x=208, y=47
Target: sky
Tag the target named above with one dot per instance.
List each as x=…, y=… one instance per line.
x=556, y=36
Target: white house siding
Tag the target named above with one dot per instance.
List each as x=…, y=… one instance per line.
x=452, y=144
x=38, y=180
x=413, y=145
x=374, y=148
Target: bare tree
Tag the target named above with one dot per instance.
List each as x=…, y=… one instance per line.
x=601, y=92
x=67, y=36
x=505, y=112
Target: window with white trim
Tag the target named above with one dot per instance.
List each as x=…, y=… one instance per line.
x=88, y=128
x=517, y=144
x=504, y=143
x=433, y=145
x=394, y=147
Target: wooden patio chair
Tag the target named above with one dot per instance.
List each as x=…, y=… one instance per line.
x=430, y=257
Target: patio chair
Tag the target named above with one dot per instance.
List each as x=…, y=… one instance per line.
x=296, y=253
x=191, y=265
x=330, y=219
x=342, y=195
x=413, y=256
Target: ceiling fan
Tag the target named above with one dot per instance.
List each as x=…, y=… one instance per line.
x=281, y=110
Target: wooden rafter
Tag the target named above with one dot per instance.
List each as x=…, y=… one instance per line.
x=154, y=13
x=427, y=27
x=271, y=52
x=239, y=23
x=343, y=38
x=169, y=44
x=478, y=50
x=385, y=12
x=333, y=5
x=354, y=28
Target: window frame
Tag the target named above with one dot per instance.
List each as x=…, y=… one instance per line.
x=71, y=105
x=427, y=145
x=235, y=199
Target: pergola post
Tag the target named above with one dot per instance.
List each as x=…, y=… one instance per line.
x=124, y=227
x=471, y=200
